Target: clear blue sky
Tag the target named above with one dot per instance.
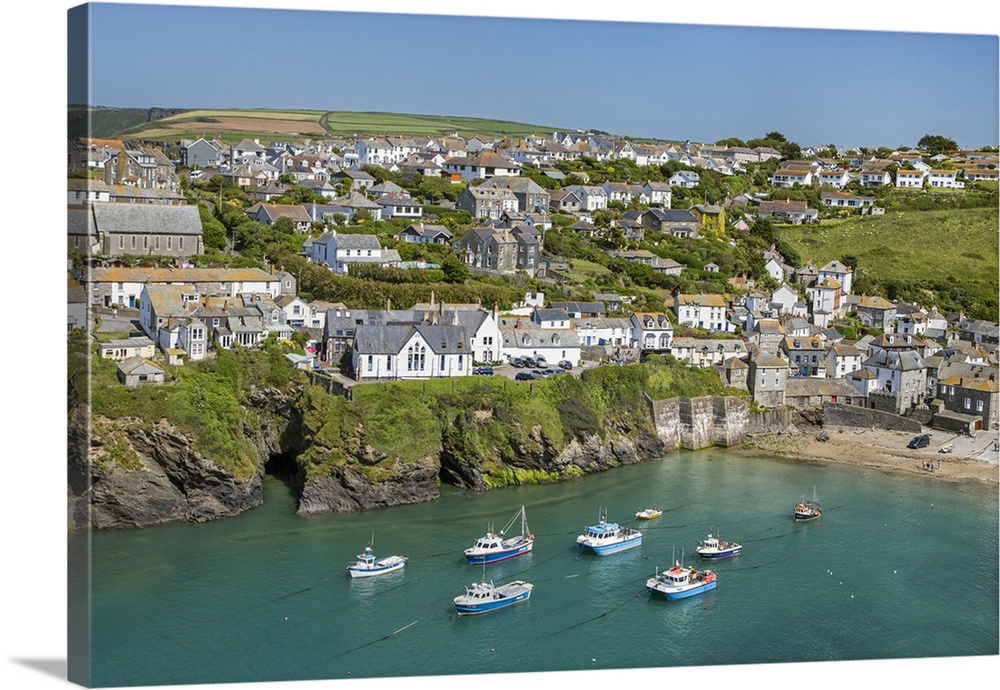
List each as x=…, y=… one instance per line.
x=702, y=83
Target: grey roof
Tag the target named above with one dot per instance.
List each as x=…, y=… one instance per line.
x=581, y=307
x=905, y=360
x=357, y=242
x=389, y=339
x=80, y=221
x=551, y=315
x=539, y=337
x=145, y=218
x=138, y=365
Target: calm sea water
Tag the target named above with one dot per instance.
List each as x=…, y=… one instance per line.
x=897, y=567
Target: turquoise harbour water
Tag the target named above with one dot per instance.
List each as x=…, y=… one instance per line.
x=897, y=567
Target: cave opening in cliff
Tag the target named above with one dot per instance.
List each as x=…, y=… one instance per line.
x=282, y=466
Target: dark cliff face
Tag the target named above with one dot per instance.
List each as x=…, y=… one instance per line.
x=166, y=480
x=163, y=477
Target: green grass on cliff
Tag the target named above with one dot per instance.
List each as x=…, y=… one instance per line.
x=203, y=400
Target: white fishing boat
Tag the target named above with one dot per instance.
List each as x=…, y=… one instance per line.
x=608, y=537
x=678, y=582
x=368, y=565
x=649, y=513
x=483, y=597
x=496, y=546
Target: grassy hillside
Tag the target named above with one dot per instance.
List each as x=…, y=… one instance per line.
x=104, y=123
x=296, y=124
x=950, y=255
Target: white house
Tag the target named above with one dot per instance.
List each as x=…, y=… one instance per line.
x=706, y=311
x=592, y=198
x=338, y=252
x=484, y=166
x=407, y=351
x=946, y=179
x=651, y=331
x=788, y=177
x=839, y=272
x=834, y=178
x=910, y=179
x=610, y=331
x=553, y=344
x=685, y=178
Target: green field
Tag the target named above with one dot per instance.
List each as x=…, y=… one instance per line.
x=953, y=251
x=290, y=124
x=345, y=123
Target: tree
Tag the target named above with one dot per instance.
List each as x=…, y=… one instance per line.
x=935, y=144
x=213, y=233
x=454, y=270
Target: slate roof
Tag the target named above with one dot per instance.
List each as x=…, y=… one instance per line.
x=146, y=218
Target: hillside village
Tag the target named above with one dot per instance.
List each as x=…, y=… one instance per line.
x=153, y=237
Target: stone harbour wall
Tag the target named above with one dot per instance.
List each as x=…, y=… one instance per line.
x=694, y=423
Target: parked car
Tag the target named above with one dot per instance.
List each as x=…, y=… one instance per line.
x=517, y=362
x=530, y=362
x=554, y=372
x=565, y=364
x=541, y=362
x=540, y=373
x=483, y=371
x=524, y=376
x=921, y=441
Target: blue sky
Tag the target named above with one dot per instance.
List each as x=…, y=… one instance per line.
x=676, y=81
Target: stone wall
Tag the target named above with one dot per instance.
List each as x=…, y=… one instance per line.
x=694, y=423
x=835, y=414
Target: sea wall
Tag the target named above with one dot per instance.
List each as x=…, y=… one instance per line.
x=835, y=414
x=694, y=423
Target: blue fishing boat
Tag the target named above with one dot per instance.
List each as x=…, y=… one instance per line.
x=715, y=549
x=493, y=547
x=483, y=597
x=679, y=582
x=606, y=538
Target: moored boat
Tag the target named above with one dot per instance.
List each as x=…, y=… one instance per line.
x=483, y=597
x=493, y=547
x=807, y=509
x=367, y=565
x=609, y=537
x=678, y=582
x=946, y=448
x=716, y=549
x=649, y=514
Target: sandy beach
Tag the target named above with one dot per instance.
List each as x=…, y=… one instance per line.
x=971, y=459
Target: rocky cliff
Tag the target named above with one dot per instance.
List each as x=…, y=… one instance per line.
x=144, y=473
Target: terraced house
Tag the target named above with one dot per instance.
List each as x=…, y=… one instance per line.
x=707, y=311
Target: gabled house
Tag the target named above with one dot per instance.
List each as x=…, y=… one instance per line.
x=678, y=223
x=531, y=197
x=688, y=179
x=789, y=177
x=397, y=205
x=707, y=311
x=876, y=312
x=767, y=379
x=426, y=234
x=408, y=351
x=842, y=359
x=269, y=213
x=339, y=251
x=651, y=331
x=486, y=202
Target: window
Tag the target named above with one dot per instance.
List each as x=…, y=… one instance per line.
x=979, y=406
x=460, y=362
x=371, y=362
x=967, y=403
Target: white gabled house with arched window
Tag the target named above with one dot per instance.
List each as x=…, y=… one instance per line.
x=407, y=351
